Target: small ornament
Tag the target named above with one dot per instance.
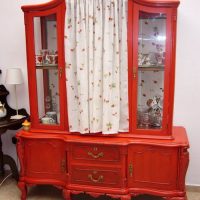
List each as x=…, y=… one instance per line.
x=155, y=111
x=26, y=125
x=3, y=111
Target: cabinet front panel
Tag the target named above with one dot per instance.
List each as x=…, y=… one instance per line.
x=95, y=153
x=153, y=167
x=96, y=176
x=44, y=158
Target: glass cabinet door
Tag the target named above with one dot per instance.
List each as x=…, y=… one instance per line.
x=47, y=70
x=150, y=66
x=151, y=69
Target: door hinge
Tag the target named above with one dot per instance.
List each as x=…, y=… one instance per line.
x=130, y=169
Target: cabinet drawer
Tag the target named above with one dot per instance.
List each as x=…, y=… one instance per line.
x=89, y=175
x=95, y=153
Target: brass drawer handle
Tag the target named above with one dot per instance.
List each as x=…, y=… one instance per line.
x=130, y=169
x=99, y=180
x=95, y=156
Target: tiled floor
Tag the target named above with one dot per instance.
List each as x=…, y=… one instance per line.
x=9, y=191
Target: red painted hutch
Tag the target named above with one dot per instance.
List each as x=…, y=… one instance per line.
x=152, y=158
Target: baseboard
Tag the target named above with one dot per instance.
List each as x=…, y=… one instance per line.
x=193, y=188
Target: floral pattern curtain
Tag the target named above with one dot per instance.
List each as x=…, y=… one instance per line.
x=96, y=65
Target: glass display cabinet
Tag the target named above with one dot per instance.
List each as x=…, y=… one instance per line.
x=151, y=69
x=46, y=68
x=151, y=158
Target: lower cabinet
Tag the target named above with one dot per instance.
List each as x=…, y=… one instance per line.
x=153, y=167
x=118, y=168
x=44, y=160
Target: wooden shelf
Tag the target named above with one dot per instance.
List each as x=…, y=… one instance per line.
x=46, y=66
x=151, y=68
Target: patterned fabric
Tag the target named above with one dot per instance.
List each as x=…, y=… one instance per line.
x=96, y=65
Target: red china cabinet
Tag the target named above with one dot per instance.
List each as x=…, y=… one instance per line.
x=151, y=158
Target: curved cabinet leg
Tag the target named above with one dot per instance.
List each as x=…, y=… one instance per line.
x=121, y=197
x=22, y=186
x=67, y=194
x=126, y=197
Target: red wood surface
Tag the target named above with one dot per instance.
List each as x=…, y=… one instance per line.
x=154, y=167
x=158, y=3
x=41, y=7
x=50, y=151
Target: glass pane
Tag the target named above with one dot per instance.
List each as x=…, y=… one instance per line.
x=46, y=63
x=151, y=67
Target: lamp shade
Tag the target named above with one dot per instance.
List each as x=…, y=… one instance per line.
x=14, y=76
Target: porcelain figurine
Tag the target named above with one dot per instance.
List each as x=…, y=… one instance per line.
x=3, y=110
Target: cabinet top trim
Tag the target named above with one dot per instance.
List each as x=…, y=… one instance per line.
x=179, y=135
x=158, y=3
x=43, y=6
x=54, y=3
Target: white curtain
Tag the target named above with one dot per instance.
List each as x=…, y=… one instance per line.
x=96, y=65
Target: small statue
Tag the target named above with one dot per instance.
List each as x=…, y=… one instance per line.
x=141, y=59
x=3, y=111
x=155, y=111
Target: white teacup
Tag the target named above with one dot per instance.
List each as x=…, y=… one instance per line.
x=47, y=120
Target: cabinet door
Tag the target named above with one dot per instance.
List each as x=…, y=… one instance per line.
x=152, y=167
x=151, y=69
x=45, y=159
x=46, y=67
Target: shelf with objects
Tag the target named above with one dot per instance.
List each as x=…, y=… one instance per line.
x=46, y=68
x=148, y=157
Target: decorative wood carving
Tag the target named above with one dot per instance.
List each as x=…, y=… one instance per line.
x=156, y=3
